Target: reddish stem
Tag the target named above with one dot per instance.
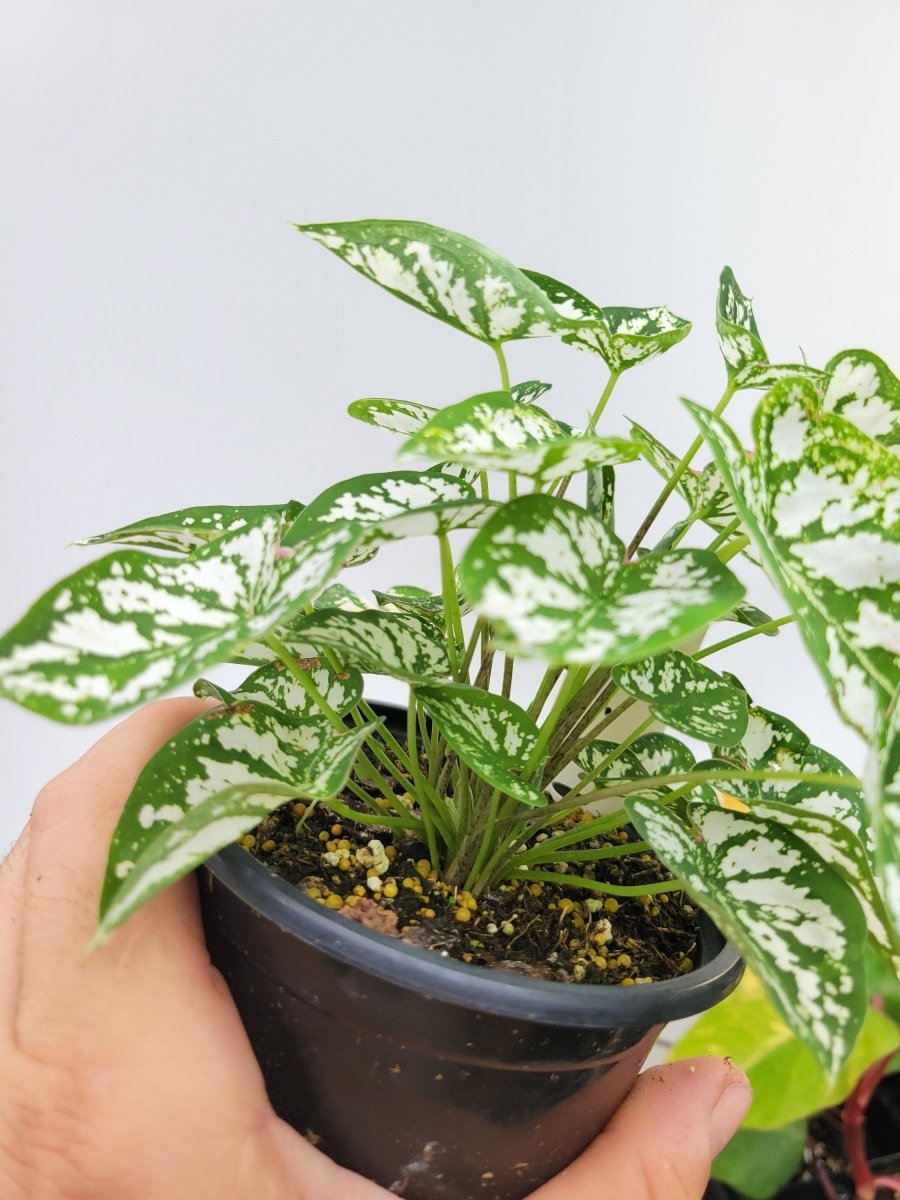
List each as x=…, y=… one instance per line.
x=829, y=1191
x=853, y=1120
x=892, y=1182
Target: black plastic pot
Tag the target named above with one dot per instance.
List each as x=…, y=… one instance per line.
x=439, y=1080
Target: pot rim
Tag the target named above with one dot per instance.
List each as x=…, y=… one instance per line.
x=496, y=992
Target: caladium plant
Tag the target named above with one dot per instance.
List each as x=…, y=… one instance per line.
x=793, y=857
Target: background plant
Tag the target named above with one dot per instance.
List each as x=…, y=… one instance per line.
x=798, y=871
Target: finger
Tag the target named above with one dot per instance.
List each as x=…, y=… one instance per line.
x=661, y=1143
x=12, y=900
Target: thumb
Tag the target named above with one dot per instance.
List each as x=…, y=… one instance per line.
x=661, y=1143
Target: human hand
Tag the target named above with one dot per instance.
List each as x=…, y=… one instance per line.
x=127, y=1075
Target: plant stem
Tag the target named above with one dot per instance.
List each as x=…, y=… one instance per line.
x=612, y=889
x=412, y=742
x=728, y=552
x=622, y=850
x=508, y=665
x=545, y=687
x=501, y=359
x=486, y=840
x=574, y=678
x=742, y=637
x=676, y=475
x=853, y=1119
x=480, y=626
x=724, y=534
x=614, y=377
x=456, y=639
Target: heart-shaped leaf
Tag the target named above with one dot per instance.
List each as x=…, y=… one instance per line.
x=550, y=576
x=383, y=643
x=798, y=924
x=687, y=695
x=274, y=685
x=445, y=274
x=494, y=432
x=622, y=337
x=209, y=784
x=131, y=626
x=491, y=734
x=191, y=529
x=865, y=391
x=821, y=502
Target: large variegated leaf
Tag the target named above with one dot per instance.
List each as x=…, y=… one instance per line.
x=865, y=391
x=190, y=529
x=393, y=505
x=131, y=626
x=491, y=734
x=494, y=432
x=550, y=577
x=798, y=924
x=822, y=502
x=687, y=695
x=623, y=337
x=383, y=643
x=209, y=784
x=446, y=274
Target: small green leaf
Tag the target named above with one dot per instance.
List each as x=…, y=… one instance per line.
x=491, y=734
x=207, y=689
x=757, y=1162
x=132, y=626
x=445, y=274
x=788, y=1083
x=865, y=391
x=687, y=695
x=191, y=529
x=494, y=432
x=383, y=643
x=739, y=338
x=622, y=337
x=751, y=616
x=529, y=391
x=797, y=923
x=550, y=576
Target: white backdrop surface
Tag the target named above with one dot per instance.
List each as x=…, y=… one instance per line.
x=167, y=339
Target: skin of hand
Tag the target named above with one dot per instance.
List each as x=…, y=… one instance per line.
x=127, y=1075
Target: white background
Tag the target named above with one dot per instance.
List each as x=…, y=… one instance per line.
x=167, y=339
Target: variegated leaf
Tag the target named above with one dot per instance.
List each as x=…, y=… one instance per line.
x=383, y=643
x=704, y=491
x=662, y=754
x=764, y=375
x=208, y=689
x=445, y=274
x=209, y=784
x=601, y=494
x=751, y=616
x=865, y=391
x=529, y=391
x=491, y=734
x=821, y=502
x=273, y=684
x=882, y=787
x=338, y=595
x=623, y=337
x=494, y=432
x=625, y=765
x=687, y=695
x=648, y=755
x=131, y=626
x=190, y=529
x=739, y=338
x=798, y=924
x=396, y=416
x=419, y=602
x=550, y=576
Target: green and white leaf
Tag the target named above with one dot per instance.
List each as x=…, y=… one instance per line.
x=396, y=416
x=788, y=1083
x=382, y=643
x=662, y=754
x=338, y=595
x=209, y=784
x=764, y=375
x=687, y=695
x=132, y=626
x=550, y=577
x=529, y=391
x=882, y=789
x=601, y=494
x=738, y=335
x=491, y=734
x=798, y=924
x=207, y=689
x=704, y=491
x=494, y=432
x=191, y=529
x=273, y=684
x=445, y=274
x=751, y=616
x=821, y=501
x=622, y=337
x=865, y=391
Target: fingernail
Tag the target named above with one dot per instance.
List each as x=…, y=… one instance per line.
x=727, y=1115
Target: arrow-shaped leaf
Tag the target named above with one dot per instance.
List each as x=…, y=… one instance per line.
x=383, y=643
x=445, y=274
x=865, y=391
x=491, y=734
x=687, y=695
x=795, y=920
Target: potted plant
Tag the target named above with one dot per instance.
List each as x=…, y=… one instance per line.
x=405, y=842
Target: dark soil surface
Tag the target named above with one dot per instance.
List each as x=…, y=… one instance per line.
x=532, y=928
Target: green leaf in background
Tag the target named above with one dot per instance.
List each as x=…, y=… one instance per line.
x=396, y=416
x=491, y=734
x=445, y=274
x=865, y=391
x=662, y=754
x=529, y=391
x=190, y=529
x=622, y=337
x=648, y=755
x=418, y=601
x=338, y=595
x=758, y=1162
x=494, y=432
x=739, y=338
x=788, y=1083
x=822, y=502
x=765, y=375
x=550, y=576
x=882, y=788
x=600, y=499
x=209, y=784
x=383, y=643
x=796, y=922
x=131, y=626
x=751, y=616
x=687, y=695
